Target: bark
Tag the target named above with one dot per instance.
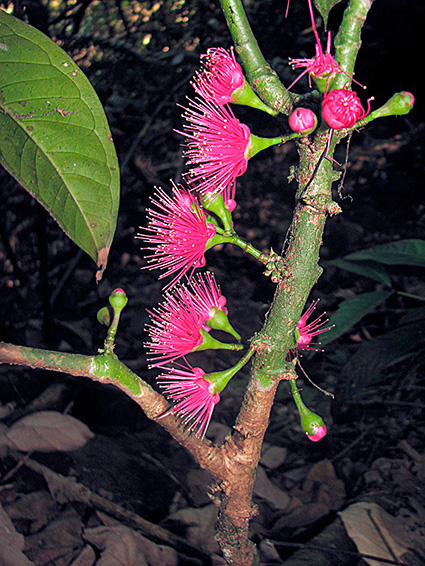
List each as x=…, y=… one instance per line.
x=241, y=452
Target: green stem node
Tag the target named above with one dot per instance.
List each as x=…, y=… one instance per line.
x=107, y=367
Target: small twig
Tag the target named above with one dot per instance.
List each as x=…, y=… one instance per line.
x=350, y=446
x=20, y=462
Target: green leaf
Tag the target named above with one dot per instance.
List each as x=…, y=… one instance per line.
x=368, y=365
x=413, y=315
x=351, y=311
x=402, y=252
x=324, y=7
x=55, y=139
x=371, y=269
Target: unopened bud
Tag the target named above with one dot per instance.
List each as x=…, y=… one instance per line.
x=399, y=104
x=311, y=424
x=118, y=299
x=303, y=121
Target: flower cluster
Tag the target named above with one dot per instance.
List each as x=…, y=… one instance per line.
x=341, y=108
x=183, y=225
x=181, y=325
x=218, y=144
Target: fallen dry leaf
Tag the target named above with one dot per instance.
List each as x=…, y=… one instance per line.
x=59, y=543
x=117, y=545
x=269, y=491
x=86, y=558
x=37, y=507
x=121, y=546
x=371, y=528
x=46, y=431
x=200, y=525
x=11, y=543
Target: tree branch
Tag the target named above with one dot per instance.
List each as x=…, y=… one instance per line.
x=107, y=368
x=259, y=73
x=348, y=40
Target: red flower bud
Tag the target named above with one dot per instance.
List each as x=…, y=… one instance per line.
x=303, y=121
x=341, y=108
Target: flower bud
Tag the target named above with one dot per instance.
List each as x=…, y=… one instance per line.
x=118, y=299
x=341, y=108
x=311, y=424
x=303, y=121
x=399, y=104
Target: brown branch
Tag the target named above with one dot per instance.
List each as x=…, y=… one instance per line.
x=242, y=451
x=153, y=404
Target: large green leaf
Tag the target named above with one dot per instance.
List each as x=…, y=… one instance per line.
x=369, y=364
x=55, y=139
x=402, y=252
x=372, y=269
x=351, y=311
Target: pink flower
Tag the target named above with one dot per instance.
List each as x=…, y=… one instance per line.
x=220, y=77
x=303, y=121
x=194, y=396
x=323, y=66
x=341, y=108
x=304, y=333
x=179, y=233
x=218, y=149
x=175, y=330
x=204, y=295
x=207, y=297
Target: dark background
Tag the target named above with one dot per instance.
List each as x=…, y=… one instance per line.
x=48, y=294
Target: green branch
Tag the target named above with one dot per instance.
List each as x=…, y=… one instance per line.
x=348, y=40
x=259, y=73
x=107, y=368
